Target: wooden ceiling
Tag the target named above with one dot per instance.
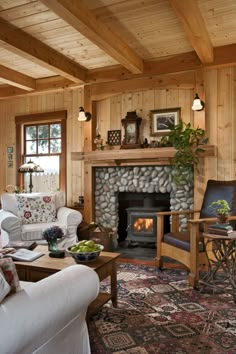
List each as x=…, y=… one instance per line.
x=51, y=44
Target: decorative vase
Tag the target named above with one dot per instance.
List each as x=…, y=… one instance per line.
x=222, y=219
x=52, y=245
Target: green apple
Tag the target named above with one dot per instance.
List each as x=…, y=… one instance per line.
x=90, y=244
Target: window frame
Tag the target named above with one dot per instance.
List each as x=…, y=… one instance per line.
x=35, y=119
x=37, y=139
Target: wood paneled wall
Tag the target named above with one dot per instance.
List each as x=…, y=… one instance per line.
x=69, y=100
x=220, y=98
x=220, y=110
x=110, y=111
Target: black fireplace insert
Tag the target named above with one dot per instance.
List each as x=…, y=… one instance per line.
x=142, y=223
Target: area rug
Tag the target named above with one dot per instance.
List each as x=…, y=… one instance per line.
x=159, y=313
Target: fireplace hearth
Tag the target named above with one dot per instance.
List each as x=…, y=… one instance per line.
x=142, y=224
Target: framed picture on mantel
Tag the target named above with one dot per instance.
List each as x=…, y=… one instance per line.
x=162, y=119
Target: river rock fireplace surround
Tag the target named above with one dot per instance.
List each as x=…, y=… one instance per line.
x=110, y=181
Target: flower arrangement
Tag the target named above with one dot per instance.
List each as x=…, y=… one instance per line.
x=53, y=233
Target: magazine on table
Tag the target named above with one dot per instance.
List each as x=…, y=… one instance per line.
x=29, y=245
x=25, y=255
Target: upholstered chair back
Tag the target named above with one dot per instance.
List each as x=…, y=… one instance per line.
x=219, y=190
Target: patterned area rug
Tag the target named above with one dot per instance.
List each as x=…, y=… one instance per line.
x=158, y=313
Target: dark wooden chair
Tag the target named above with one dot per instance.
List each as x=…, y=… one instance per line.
x=187, y=247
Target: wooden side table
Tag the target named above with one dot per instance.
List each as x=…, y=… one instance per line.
x=221, y=274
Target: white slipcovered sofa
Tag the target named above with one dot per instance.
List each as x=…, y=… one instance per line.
x=25, y=216
x=49, y=317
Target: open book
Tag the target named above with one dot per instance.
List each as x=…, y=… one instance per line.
x=23, y=254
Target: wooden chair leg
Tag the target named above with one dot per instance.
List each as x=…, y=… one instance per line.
x=159, y=262
x=193, y=279
x=159, y=236
x=194, y=255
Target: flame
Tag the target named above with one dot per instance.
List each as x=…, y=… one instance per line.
x=142, y=224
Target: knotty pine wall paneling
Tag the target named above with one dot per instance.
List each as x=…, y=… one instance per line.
x=69, y=100
x=225, y=141
x=110, y=111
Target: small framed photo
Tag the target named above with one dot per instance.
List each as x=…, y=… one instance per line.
x=10, y=157
x=10, y=149
x=162, y=119
x=9, y=164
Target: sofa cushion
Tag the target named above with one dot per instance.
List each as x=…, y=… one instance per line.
x=8, y=269
x=30, y=232
x=36, y=209
x=181, y=240
x=4, y=286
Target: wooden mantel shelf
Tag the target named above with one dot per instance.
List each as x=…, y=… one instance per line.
x=134, y=156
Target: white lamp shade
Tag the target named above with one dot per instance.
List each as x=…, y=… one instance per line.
x=82, y=116
x=197, y=104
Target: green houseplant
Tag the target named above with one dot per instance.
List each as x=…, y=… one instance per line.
x=187, y=141
x=221, y=208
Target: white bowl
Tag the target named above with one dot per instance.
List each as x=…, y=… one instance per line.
x=85, y=256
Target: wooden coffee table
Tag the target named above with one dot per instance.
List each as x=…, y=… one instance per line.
x=104, y=265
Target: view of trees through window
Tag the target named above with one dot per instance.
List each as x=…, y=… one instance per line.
x=43, y=139
x=43, y=145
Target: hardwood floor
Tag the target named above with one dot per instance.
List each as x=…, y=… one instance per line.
x=144, y=254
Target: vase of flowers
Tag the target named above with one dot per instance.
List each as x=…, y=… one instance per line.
x=51, y=235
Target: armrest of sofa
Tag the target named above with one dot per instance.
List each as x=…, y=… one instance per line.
x=69, y=216
x=10, y=224
x=36, y=314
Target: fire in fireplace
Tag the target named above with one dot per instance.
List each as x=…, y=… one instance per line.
x=142, y=223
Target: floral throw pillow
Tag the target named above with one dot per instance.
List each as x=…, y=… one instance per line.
x=36, y=209
x=8, y=269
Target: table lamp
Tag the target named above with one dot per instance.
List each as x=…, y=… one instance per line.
x=30, y=167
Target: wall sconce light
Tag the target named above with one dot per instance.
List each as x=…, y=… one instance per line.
x=198, y=105
x=84, y=116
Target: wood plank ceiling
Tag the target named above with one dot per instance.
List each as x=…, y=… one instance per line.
x=51, y=44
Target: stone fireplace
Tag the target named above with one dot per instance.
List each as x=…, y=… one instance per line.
x=110, y=181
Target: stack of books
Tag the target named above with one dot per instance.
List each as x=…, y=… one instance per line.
x=222, y=229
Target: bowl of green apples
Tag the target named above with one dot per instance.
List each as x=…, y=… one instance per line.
x=85, y=251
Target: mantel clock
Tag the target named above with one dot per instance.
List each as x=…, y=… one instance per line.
x=131, y=124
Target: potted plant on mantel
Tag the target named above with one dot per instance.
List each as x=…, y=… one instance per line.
x=222, y=209
x=187, y=141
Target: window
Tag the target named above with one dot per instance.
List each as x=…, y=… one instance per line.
x=41, y=139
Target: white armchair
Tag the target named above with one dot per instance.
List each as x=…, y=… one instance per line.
x=49, y=317
x=25, y=216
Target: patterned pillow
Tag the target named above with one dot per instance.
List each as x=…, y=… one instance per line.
x=36, y=209
x=4, y=287
x=8, y=269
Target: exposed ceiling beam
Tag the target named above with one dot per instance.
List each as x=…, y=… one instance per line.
x=177, y=63
x=17, y=79
x=31, y=48
x=178, y=80
x=224, y=56
x=83, y=20
x=190, y=16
